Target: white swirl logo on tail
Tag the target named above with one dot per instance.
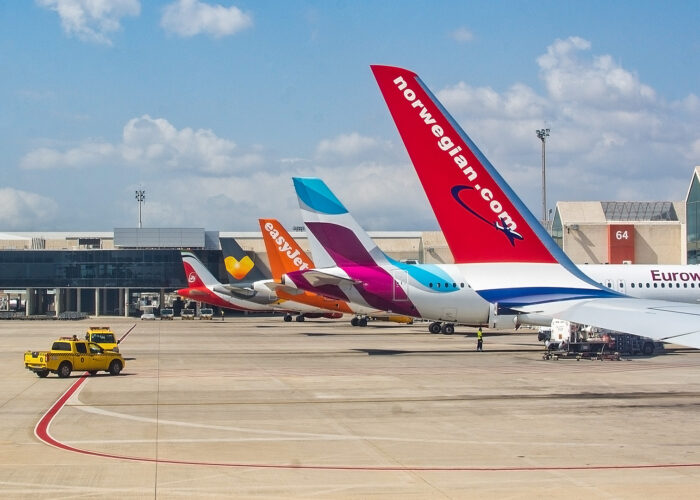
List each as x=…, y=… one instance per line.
x=192, y=277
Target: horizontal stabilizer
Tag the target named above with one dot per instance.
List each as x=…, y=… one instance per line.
x=317, y=278
x=657, y=319
x=234, y=291
x=274, y=286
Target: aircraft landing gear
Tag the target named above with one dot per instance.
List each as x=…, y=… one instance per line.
x=438, y=327
x=448, y=328
x=359, y=321
x=287, y=318
x=300, y=318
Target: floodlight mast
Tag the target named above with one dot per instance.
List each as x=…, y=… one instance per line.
x=543, y=134
x=141, y=198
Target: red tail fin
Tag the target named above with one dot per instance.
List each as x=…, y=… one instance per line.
x=482, y=218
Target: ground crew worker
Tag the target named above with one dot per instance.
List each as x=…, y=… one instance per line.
x=479, y=340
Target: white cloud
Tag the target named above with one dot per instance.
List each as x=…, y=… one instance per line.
x=600, y=81
x=612, y=136
x=347, y=145
x=22, y=209
x=462, y=35
x=151, y=143
x=88, y=154
x=191, y=17
x=92, y=20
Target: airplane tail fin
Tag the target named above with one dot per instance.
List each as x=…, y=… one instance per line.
x=335, y=237
x=284, y=253
x=483, y=220
x=197, y=274
x=242, y=270
x=468, y=196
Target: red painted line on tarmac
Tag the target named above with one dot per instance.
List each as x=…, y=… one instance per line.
x=42, y=432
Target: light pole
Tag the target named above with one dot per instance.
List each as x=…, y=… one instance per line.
x=543, y=134
x=141, y=198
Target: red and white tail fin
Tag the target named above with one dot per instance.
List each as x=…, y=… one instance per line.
x=196, y=273
x=284, y=253
x=468, y=196
x=510, y=256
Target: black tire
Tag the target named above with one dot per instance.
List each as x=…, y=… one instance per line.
x=64, y=369
x=355, y=321
x=93, y=372
x=288, y=317
x=648, y=348
x=448, y=328
x=42, y=374
x=362, y=322
x=434, y=327
x=300, y=318
x=115, y=367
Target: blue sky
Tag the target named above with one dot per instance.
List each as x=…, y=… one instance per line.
x=211, y=107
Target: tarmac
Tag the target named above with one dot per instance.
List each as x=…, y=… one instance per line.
x=254, y=407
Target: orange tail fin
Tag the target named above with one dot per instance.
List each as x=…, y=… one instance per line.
x=283, y=251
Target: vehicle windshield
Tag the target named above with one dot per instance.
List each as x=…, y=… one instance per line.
x=207, y=311
x=105, y=338
x=95, y=349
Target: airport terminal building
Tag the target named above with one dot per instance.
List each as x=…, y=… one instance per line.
x=105, y=273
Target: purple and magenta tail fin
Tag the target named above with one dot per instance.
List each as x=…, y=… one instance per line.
x=335, y=237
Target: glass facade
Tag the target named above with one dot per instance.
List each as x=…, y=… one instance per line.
x=92, y=269
x=638, y=210
x=692, y=207
x=557, y=230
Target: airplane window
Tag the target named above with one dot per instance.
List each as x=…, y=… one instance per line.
x=647, y=285
x=685, y=285
x=678, y=285
x=656, y=285
x=431, y=285
x=632, y=285
x=622, y=285
x=447, y=285
x=663, y=285
x=640, y=285
x=454, y=285
x=438, y=285
x=462, y=285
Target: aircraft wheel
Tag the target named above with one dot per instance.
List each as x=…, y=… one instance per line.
x=448, y=328
x=287, y=318
x=362, y=322
x=434, y=327
x=300, y=318
x=355, y=321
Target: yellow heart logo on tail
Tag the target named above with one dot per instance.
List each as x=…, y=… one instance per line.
x=238, y=268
